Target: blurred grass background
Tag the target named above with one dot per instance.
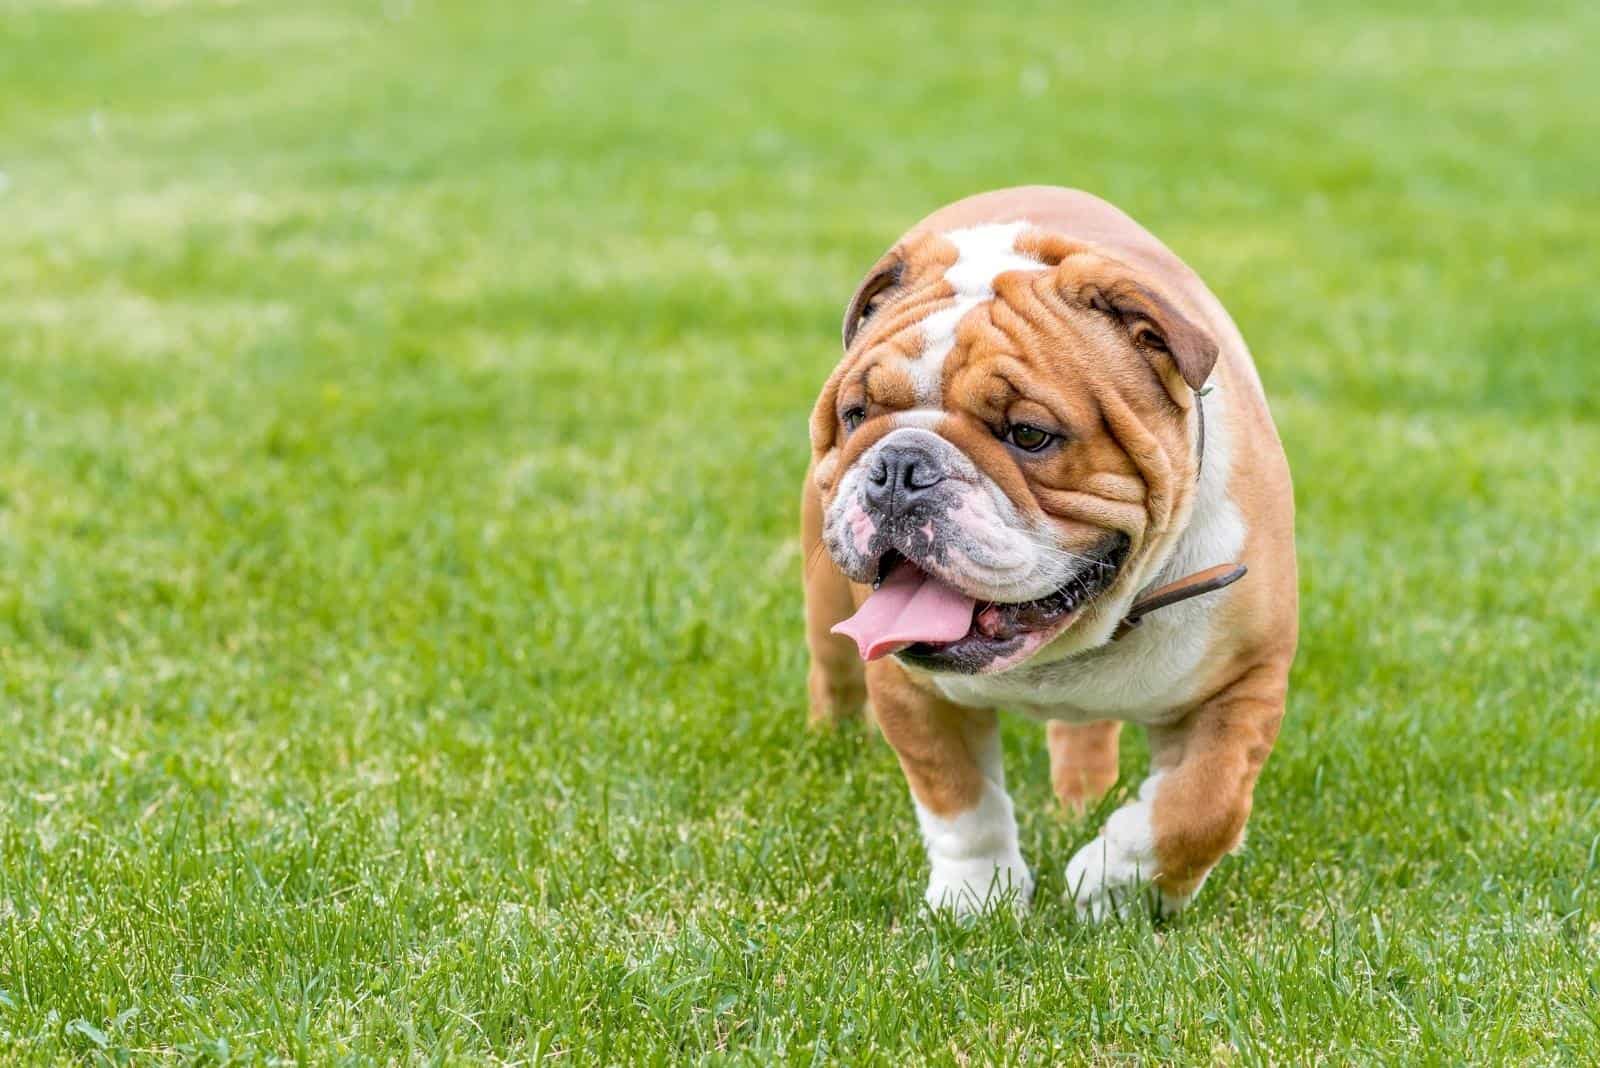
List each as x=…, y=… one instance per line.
x=402, y=409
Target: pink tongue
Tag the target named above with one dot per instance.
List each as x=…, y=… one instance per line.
x=910, y=606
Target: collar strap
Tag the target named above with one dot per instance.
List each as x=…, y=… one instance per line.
x=1201, y=582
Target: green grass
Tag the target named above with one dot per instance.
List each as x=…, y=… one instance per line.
x=402, y=408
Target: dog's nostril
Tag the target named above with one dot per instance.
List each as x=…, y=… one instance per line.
x=921, y=475
x=879, y=473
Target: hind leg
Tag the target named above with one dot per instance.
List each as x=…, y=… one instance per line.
x=1083, y=761
x=837, y=681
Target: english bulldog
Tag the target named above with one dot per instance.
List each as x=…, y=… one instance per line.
x=1044, y=478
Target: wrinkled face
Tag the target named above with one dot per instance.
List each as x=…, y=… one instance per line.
x=1008, y=438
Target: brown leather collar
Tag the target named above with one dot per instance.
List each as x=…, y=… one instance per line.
x=1208, y=581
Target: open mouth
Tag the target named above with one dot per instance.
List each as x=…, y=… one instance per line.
x=933, y=625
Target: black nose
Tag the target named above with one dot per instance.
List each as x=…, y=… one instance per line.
x=901, y=477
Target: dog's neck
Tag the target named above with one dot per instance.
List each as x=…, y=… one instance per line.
x=1214, y=534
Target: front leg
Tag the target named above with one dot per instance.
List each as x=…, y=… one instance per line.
x=951, y=759
x=1192, y=809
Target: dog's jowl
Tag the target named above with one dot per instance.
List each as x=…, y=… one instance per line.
x=1044, y=479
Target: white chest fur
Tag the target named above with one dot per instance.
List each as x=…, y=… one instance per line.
x=1156, y=669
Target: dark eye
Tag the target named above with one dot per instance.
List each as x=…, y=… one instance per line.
x=852, y=417
x=1028, y=438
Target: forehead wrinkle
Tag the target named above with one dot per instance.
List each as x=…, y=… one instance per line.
x=890, y=386
x=982, y=254
x=940, y=332
x=1048, y=315
x=923, y=259
x=1020, y=331
x=1077, y=422
x=1014, y=371
x=1050, y=331
x=898, y=325
x=961, y=356
x=855, y=380
x=1014, y=320
x=1096, y=340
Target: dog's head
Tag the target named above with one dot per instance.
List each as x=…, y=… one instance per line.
x=1009, y=438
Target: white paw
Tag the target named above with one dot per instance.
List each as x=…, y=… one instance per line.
x=973, y=857
x=1111, y=875
x=969, y=887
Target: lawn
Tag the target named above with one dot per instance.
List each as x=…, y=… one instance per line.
x=402, y=409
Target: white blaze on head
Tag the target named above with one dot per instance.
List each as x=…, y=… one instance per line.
x=984, y=253
x=925, y=418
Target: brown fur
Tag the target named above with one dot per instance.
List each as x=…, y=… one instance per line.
x=934, y=739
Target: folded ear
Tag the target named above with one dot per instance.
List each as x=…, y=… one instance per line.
x=1154, y=325
x=824, y=420
x=870, y=294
